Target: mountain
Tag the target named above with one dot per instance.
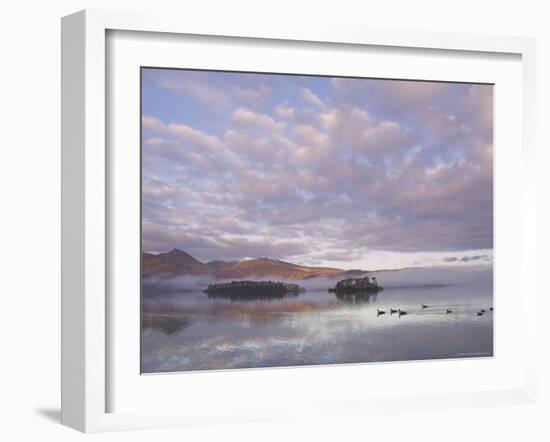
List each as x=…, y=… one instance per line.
x=180, y=257
x=219, y=264
x=266, y=267
x=173, y=263
x=179, y=263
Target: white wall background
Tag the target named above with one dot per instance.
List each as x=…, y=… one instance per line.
x=30, y=219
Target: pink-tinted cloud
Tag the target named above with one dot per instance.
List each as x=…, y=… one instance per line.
x=311, y=169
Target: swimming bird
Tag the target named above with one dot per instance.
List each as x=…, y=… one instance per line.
x=392, y=311
x=483, y=310
x=491, y=309
x=402, y=312
x=480, y=313
x=448, y=311
x=380, y=312
x=424, y=306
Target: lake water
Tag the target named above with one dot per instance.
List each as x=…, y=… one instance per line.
x=188, y=330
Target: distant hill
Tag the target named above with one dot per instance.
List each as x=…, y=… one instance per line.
x=265, y=267
x=173, y=263
x=179, y=263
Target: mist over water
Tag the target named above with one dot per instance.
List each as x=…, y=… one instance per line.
x=186, y=329
x=422, y=277
x=412, y=277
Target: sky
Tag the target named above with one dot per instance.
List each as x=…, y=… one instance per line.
x=340, y=172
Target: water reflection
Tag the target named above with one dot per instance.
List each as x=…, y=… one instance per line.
x=167, y=323
x=357, y=297
x=251, y=297
x=192, y=330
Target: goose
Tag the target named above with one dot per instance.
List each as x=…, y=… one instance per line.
x=448, y=311
x=424, y=306
x=483, y=310
x=491, y=309
x=402, y=312
x=480, y=313
x=392, y=311
x=380, y=312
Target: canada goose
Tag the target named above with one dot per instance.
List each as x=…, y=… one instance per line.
x=402, y=312
x=483, y=310
x=380, y=312
x=448, y=311
x=491, y=309
x=392, y=311
x=424, y=306
x=480, y=313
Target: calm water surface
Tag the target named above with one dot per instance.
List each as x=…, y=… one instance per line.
x=188, y=330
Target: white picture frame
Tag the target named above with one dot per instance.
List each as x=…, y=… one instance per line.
x=86, y=208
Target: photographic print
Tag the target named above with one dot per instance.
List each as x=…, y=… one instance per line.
x=294, y=220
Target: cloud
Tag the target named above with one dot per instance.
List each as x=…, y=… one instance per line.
x=284, y=112
x=477, y=111
x=157, y=141
x=393, y=95
x=182, y=133
x=353, y=128
x=246, y=117
x=253, y=95
x=466, y=258
x=191, y=135
x=311, y=136
x=311, y=98
x=263, y=150
x=376, y=166
x=197, y=86
x=153, y=124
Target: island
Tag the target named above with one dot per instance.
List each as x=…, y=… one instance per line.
x=356, y=285
x=255, y=288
